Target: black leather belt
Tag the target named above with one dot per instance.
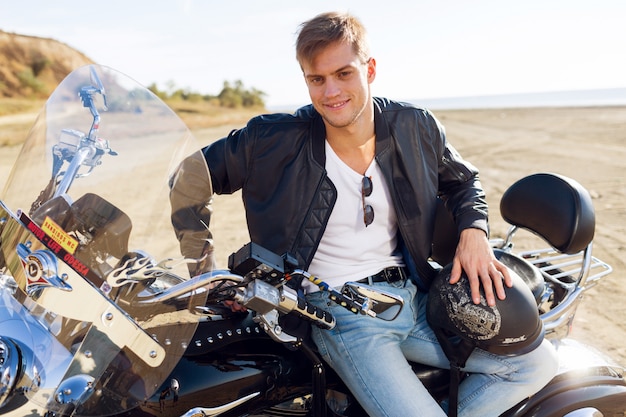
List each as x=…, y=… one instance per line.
x=391, y=274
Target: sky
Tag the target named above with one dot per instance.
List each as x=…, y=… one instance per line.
x=423, y=48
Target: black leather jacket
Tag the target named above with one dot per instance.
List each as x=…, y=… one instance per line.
x=278, y=162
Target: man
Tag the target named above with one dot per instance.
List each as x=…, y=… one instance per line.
x=349, y=185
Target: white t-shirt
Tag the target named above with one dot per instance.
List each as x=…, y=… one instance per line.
x=348, y=250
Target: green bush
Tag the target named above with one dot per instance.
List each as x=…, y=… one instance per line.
x=29, y=80
x=231, y=96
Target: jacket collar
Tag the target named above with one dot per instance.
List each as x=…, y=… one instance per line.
x=318, y=135
x=383, y=134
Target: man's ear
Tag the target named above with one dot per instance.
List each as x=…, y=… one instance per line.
x=371, y=69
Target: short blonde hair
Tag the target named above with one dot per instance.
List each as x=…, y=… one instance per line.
x=328, y=28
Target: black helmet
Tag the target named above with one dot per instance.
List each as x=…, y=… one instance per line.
x=511, y=327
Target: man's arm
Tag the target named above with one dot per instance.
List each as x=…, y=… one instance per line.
x=190, y=198
x=465, y=198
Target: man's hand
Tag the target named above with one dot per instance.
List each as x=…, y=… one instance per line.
x=233, y=305
x=475, y=256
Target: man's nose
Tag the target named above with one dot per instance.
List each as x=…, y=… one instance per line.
x=332, y=88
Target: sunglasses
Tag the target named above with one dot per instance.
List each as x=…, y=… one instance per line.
x=366, y=191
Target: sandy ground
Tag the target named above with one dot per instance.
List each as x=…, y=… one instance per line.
x=587, y=144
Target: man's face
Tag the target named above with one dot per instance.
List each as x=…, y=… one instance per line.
x=338, y=82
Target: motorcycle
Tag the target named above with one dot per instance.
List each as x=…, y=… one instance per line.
x=99, y=315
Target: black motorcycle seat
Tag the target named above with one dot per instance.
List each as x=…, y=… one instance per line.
x=435, y=380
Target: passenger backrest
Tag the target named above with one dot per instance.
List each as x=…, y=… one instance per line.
x=552, y=206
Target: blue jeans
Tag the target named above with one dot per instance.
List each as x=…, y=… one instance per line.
x=371, y=356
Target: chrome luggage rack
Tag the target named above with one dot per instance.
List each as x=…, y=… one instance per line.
x=579, y=269
x=567, y=277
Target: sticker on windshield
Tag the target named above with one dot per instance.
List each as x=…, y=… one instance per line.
x=59, y=235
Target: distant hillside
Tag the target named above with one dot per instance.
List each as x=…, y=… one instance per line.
x=31, y=67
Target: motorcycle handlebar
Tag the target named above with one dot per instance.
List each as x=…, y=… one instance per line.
x=292, y=303
x=264, y=298
x=258, y=295
x=193, y=284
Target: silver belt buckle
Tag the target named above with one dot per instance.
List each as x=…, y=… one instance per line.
x=388, y=274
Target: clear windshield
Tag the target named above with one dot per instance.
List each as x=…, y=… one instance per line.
x=89, y=243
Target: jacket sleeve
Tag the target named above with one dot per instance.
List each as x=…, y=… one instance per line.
x=460, y=188
x=190, y=199
x=219, y=168
x=229, y=159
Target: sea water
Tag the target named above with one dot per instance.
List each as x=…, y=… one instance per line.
x=578, y=98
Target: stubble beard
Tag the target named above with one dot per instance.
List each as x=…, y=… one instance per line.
x=341, y=122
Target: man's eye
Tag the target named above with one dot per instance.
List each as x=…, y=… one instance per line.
x=316, y=80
